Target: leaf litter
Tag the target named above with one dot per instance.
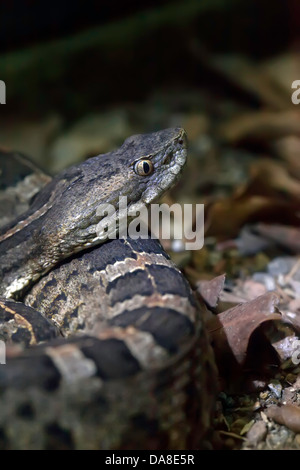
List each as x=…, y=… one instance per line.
x=248, y=271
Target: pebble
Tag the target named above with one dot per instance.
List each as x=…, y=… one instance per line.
x=277, y=438
x=276, y=388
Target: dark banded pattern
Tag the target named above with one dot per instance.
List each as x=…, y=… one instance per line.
x=128, y=367
x=139, y=281
x=22, y=324
x=123, y=361
x=168, y=327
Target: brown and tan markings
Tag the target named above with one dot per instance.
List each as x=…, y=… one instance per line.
x=123, y=361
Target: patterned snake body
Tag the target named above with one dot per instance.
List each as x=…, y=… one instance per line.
x=123, y=360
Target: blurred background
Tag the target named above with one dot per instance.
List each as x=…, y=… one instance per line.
x=88, y=74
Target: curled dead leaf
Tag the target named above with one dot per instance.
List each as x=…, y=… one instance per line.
x=231, y=330
x=288, y=415
x=211, y=290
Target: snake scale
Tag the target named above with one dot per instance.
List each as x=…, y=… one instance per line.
x=105, y=345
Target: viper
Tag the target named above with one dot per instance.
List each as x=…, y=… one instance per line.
x=105, y=343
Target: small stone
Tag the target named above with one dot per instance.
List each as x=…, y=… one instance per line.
x=281, y=265
x=278, y=438
x=276, y=388
x=266, y=279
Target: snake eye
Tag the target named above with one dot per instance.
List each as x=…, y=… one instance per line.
x=144, y=167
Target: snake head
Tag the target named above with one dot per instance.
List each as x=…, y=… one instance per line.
x=64, y=216
x=142, y=169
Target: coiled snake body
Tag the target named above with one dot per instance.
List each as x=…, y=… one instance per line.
x=105, y=343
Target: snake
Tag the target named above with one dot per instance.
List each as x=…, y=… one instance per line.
x=105, y=346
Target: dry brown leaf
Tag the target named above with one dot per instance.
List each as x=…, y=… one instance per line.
x=288, y=415
x=211, y=290
x=232, y=329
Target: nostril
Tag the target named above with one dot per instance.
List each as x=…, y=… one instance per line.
x=168, y=158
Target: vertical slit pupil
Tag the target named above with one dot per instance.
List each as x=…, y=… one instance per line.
x=146, y=167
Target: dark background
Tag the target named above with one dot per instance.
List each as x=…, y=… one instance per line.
x=77, y=56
